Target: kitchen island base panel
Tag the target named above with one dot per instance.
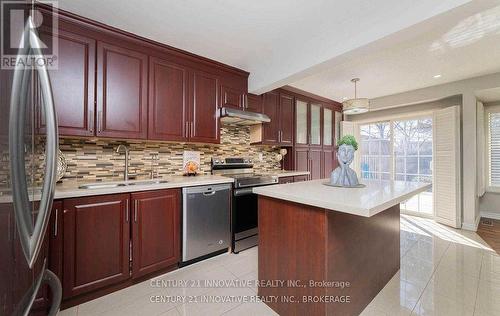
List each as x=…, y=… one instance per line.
x=304, y=243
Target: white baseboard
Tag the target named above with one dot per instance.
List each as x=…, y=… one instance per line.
x=492, y=215
x=473, y=227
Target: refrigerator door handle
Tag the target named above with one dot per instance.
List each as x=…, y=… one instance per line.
x=46, y=277
x=31, y=236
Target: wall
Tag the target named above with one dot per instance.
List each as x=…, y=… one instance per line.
x=489, y=203
x=97, y=160
x=466, y=88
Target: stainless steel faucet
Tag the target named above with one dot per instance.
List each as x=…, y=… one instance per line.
x=118, y=150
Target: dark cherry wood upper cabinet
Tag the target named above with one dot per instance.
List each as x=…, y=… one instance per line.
x=96, y=239
x=254, y=103
x=168, y=101
x=204, y=110
x=233, y=98
x=286, y=119
x=270, y=107
x=121, y=92
x=155, y=230
x=73, y=85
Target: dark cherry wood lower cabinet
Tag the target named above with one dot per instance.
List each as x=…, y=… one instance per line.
x=96, y=243
x=155, y=231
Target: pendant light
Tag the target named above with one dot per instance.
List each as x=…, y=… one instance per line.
x=356, y=105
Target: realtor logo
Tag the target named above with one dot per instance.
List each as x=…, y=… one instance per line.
x=29, y=38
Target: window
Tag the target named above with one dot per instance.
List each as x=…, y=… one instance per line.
x=413, y=159
x=400, y=150
x=494, y=148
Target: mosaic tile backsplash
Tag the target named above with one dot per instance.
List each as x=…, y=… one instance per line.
x=97, y=160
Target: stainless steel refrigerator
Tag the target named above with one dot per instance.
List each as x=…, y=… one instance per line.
x=28, y=163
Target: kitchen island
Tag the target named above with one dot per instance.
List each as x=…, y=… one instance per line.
x=328, y=250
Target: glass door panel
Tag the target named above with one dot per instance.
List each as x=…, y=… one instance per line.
x=301, y=122
x=315, y=124
x=413, y=160
x=376, y=157
x=327, y=127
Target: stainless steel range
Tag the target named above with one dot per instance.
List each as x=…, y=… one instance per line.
x=244, y=213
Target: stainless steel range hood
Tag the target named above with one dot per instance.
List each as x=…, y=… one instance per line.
x=239, y=117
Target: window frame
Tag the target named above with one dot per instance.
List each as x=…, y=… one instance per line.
x=391, y=119
x=487, y=157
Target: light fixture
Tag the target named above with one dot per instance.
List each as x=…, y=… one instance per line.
x=436, y=76
x=356, y=105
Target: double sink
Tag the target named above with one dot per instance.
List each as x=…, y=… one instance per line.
x=119, y=184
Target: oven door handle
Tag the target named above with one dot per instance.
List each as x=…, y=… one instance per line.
x=241, y=192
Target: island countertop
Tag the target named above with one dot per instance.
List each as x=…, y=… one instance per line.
x=377, y=196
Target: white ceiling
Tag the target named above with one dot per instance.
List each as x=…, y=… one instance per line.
x=459, y=44
x=284, y=41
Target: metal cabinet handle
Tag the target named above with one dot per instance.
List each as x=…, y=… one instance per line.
x=192, y=129
x=91, y=121
x=55, y=222
x=99, y=121
x=126, y=211
x=31, y=236
x=136, y=206
x=186, y=129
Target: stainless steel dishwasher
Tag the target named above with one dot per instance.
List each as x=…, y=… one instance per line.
x=206, y=227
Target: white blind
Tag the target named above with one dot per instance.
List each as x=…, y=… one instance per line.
x=446, y=142
x=494, y=148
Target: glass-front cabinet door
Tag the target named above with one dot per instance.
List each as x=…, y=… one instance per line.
x=315, y=123
x=327, y=127
x=301, y=122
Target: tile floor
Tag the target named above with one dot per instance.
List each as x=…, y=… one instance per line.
x=443, y=272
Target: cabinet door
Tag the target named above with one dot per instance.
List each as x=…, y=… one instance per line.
x=254, y=103
x=73, y=85
x=328, y=162
x=155, y=231
x=121, y=92
x=315, y=163
x=301, y=159
x=315, y=125
x=168, y=101
x=56, y=239
x=204, y=112
x=96, y=243
x=327, y=127
x=286, y=120
x=8, y=281
x=271, y=130
x=232, y=98
x=301, y=131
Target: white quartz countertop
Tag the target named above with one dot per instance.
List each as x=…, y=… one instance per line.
x=73, y=190
x=375, y=197
x=287, y=173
